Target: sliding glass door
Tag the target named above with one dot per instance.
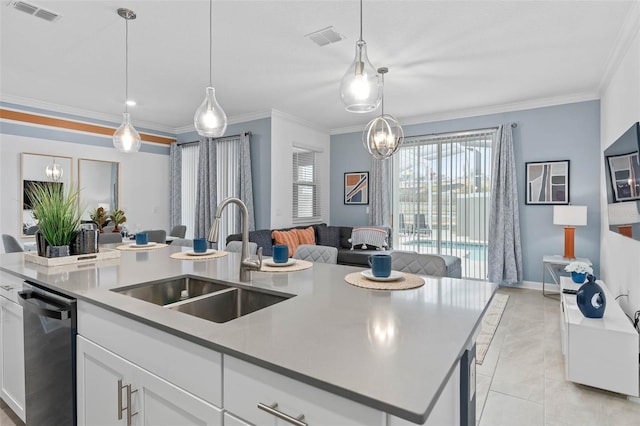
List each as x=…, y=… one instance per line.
x=441, y=197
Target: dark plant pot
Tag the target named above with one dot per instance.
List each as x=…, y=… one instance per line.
x=41, y=244
x=57, y=251
x=85, y=242
x=578, y=278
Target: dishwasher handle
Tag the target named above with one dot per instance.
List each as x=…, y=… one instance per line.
x=48, y=307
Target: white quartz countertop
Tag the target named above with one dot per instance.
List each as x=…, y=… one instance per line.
x=391, y=350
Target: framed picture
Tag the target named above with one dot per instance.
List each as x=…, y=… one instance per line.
x=624, y=171
x=356, y=188
x=547, y=182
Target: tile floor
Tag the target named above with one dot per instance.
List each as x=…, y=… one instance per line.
x=521, y=381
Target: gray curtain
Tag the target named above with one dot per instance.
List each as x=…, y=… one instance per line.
x=175, y=184
x=245, y=191
x=379, y=196
x=206, y=197
x=505, y=251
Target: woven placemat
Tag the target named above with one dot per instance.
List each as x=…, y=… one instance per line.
x=407, y=282
x=298, y=266
x=184, y=256
x=133, y=247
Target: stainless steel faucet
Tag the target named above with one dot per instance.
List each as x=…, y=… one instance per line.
x=246, y=263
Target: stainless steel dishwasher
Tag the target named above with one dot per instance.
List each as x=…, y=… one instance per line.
x=50, y=356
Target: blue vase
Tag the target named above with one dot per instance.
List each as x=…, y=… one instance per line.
x=590, y=299
x=578, y=278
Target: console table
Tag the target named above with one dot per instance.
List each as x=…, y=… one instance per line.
x=599, y=352
x=554, y=264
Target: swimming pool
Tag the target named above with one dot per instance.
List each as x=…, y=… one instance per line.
x=473, y=251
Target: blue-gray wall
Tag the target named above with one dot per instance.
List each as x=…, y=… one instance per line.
x=260, y=164
x=570, y=131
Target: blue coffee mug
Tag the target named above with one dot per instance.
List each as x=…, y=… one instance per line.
x=199, y=245
x=380, y=265
x=142, y=238
x=280, y=253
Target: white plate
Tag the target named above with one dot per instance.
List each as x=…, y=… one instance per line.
x=395, y=275
x=144, y=245
x=204, y=253
x=270, y=262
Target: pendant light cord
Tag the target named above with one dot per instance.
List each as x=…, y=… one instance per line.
x=382, y=96
x=126, y=65
x=210, y=43
x=360, y=20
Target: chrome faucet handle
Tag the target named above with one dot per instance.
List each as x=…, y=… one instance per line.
x=253, y=264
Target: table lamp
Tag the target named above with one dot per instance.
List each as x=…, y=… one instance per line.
x=570, y=217
x=624, y=215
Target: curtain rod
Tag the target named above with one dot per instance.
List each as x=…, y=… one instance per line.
x=460, y=133
x=224, y=137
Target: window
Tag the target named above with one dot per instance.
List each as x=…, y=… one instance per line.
x=306, y=189
x=189, y=182
x=441, y=197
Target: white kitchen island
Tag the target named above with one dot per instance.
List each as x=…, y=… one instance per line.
x=333, y=353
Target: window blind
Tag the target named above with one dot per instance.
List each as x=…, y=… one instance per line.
x=306, y=188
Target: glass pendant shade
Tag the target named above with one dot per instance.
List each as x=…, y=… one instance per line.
x=210, y=120
x=383, y=136
x=54, y=171
x=126, y=137
x=360, y=88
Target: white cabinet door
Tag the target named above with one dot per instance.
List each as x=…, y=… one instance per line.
x=12, y=356
x=98, y=372
x=154, y=401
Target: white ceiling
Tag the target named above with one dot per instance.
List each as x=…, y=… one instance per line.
x=445, y=58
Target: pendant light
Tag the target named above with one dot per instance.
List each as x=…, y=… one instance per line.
x=126, y=137
x=360, y=86
x=54, y=171
x=383, y=135
x=210, y=120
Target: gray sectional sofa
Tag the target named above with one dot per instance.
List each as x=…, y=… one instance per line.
x=339, y=237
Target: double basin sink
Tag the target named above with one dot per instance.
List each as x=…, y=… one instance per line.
x=207, y=299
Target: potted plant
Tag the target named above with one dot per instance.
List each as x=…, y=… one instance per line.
x=579, y=271
x=58, y=216
x=99, y=216
x=118, y=217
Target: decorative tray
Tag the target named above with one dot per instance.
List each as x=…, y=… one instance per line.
x=103, y=254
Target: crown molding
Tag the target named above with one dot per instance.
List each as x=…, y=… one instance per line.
x=623, y=43
x=485, y=110
x=242, y=118
x=82, y=115
x=298, y=120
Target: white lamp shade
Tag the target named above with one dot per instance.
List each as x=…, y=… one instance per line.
x=623, y=213
x=570, y=215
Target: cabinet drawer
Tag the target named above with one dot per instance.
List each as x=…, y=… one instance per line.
x=247, y=385
x=189, y=366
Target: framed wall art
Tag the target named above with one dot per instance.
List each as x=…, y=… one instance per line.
x=547, y=182
x=356, y=188
x=624, y=171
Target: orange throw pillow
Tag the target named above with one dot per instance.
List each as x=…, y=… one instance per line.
x=289, y=238
x=306, y=236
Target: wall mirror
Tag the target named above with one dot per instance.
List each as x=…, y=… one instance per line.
x=39, y=168
x=622, y=174
x=99, y=185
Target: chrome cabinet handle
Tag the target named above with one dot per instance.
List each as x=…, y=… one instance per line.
x=273, y=410
x=120, y=409
x=129, y=413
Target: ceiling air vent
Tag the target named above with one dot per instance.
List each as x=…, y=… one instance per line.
x=325, y=36
x=34, y=10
